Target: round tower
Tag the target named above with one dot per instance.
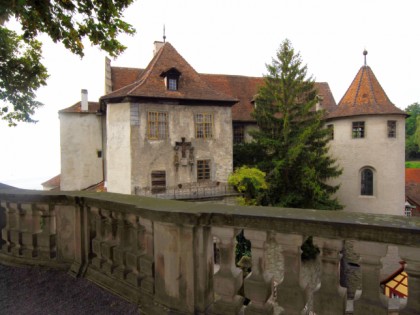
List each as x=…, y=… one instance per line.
x=368, y=133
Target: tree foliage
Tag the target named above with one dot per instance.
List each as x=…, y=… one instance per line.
x=412, y=132
x=65, y=21
x=249, y=181
x=293, y=137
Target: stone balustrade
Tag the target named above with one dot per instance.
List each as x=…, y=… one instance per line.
x=160, y=253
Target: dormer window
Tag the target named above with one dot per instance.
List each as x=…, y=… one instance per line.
x=172, y=84
x=171, y=79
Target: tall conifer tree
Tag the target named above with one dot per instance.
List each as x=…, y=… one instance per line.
x=293, y=137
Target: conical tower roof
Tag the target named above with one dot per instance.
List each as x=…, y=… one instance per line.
x=150, y=83
x=365, y=96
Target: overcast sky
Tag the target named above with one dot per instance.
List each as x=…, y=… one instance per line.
x=229, y=37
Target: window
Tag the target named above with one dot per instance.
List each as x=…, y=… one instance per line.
x=172, y=83
x=204, y=126
x=238, y=134
x=358, y=130
x=203, y=170
x=158, y=182
x=157, y=125
x=392, y=129
x=366, y=182
x=171, y=79
x=331, y=131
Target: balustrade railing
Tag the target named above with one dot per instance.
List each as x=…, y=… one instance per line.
x=160, y=253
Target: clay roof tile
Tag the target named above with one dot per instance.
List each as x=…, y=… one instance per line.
x=365, y=96
x=150, y=83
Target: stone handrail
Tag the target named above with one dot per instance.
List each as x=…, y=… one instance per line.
x=160, y=253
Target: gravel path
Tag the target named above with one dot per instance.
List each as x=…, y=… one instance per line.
x=33, y=291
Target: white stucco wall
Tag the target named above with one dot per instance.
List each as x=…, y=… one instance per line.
x=384, y=155
x=118, y=164
x=80, y=141
x=149, y=155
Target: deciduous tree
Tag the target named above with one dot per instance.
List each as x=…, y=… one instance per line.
x=412, y=132
x=65, y=21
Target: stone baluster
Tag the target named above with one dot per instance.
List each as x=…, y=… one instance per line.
x=331, y=298
x=258, y=283
x=371, y=301
x=290, y=295
x=11, y=225
x=109, y=242
x=29, y=227
x=136, y=232
x=120, y=250
x=228, y=280
x=147, y=260
x=97, y=260
x=16, y=231
x=411, y=255
x=46, y=237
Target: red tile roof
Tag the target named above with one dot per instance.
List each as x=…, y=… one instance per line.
x=242, y=88
x=365, y=96
x=99, y=187
x=412, y=175
x=412, y=187
x=93, y=108
x=53, y=183
x=121, y=77
x=150, y=83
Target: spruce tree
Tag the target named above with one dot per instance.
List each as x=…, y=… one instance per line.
x=293, y=137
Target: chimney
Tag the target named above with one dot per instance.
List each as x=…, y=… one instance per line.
x=158, y=45
x=85, y=104
x=108, y=76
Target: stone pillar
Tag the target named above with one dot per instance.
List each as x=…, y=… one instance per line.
x=290, y=295
x=11, y=224
x=371, y=301
x=228, y=280
x=97, y=260
x=109, y=242
x=147, y=260
x=204, y=257
x=411, y=255
x=29, y=226
x=119, y=251
x=15, y=233
x=259, y=282
x=135, y=253
x=46, y=238
x=331, y=298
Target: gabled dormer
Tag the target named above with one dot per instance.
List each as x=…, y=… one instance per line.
x=171, y=78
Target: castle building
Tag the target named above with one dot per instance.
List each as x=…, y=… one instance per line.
x=369, y=144
x=169, y=126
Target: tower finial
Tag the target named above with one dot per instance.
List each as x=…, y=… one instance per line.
x=164, y=36
x=364, y=54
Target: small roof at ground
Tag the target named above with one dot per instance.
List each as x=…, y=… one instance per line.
x=396, y=284
x=365, y=96
x=52, y=182
x=412, y=175
x=93, y=108
x=150, y=83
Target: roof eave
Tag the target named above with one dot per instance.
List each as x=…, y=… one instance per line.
x=183, y=100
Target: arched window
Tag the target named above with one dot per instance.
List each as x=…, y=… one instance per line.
x=366, y=185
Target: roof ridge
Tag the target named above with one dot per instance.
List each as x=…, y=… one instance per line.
x=371, y=86
x=147, y=71
x=358, y=86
